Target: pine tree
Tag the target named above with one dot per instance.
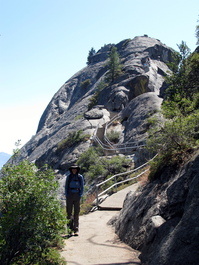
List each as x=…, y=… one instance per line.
x=90, y=55
x=114, y=65
x=197, y=34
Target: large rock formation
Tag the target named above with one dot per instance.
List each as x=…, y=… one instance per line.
x=162, y=219
x=144, y=66
x=136, y=114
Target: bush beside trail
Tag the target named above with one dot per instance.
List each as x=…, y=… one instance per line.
x=31, y=220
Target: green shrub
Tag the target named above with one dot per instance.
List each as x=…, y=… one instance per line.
x=72, y=139
x=94, y=99
x=95, y=170
x=88, y=159
x=117, y=164
x=113, y=136
x=87, y=204
x=93, y=165
x=125, y=43
x=32, y=219
x=78, y=117
x=91, y=53
x=173, y=140
x=85, y=83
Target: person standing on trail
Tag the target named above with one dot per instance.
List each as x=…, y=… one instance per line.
x=74, y=188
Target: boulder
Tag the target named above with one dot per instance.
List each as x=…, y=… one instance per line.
x=93, y=114
x=137, y=112
x=118, y=98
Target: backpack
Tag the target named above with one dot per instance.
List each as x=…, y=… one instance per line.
x=70, y=178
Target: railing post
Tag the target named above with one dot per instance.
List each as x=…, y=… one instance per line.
x=97, y=200
x=115, y=182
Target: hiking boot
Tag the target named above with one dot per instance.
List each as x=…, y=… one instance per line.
x=76, y=230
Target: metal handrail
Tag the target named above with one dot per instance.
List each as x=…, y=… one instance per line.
x=114, y=147
x=107, y=125
x=103, y=146
x=121, y=174
x=110, y=145
x=116, y=184
x=120, y=146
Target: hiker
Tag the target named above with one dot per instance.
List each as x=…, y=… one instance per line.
x=74, y=188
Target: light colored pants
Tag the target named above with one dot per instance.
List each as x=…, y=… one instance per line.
x=73, y=203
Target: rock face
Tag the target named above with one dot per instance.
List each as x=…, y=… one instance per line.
x=161, y=220
x=144, y=66
x=136, y=114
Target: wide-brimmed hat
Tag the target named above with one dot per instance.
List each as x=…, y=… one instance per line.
x=74, y=167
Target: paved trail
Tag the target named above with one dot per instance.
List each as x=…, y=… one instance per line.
x=97, y=243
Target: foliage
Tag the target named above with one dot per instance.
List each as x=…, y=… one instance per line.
x=31, y=217
x=114, y=65
x=113, y=136
x=73, y=138
x=192, y=74
x=93, y=165
x=87, y=204
x=78, y=117
x=126, y=43
x=178, y=79
x=94, y=99
x=185, y=79
x=90, y=55
x=116, y=164
x=16, y=151
x=85, y=84
x=88, y=160
x=197, y=34
x=178, y=134
x=175, y=139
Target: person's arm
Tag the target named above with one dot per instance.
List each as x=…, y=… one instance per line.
x=66, y=186
x=82, y=186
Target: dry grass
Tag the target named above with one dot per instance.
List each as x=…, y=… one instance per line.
x=143, y=180
x=87, y=204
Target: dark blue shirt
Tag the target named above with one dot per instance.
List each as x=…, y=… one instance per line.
x=74, y=183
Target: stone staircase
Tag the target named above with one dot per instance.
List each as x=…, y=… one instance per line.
x=115, y=201
x=108, y=149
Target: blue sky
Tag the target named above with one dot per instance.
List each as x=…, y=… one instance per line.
x=44, y=42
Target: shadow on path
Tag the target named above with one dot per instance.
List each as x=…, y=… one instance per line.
x=97, y=243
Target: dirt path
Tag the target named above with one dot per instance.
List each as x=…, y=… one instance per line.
x=97, y=243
